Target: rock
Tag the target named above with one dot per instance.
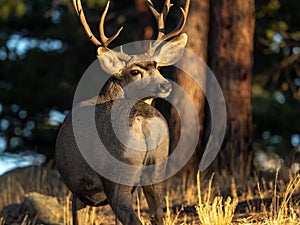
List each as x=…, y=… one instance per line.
x=46, y=209
x=11, y=213
x=40, y=208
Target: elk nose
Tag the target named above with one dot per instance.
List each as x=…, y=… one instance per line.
x=165, y=87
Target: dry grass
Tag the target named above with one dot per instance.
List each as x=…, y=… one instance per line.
x=211, y=208
x=12, y=192
x=217, y=211
x=15, y=184
x=170, y=218
x=282, y=210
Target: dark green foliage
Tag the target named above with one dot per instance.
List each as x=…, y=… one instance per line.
x=277, y=56
x=43, y=54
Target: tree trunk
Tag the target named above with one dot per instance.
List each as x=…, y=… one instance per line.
x=197, y=29
x=232, y=60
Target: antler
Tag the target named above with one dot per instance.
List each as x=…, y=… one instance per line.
x=104, y=41
x=161, y=19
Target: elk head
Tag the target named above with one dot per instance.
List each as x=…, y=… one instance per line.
x=141, y=71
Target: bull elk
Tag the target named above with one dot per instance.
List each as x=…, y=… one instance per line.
x=87, y=185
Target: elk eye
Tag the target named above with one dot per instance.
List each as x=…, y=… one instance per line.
x=135, y=72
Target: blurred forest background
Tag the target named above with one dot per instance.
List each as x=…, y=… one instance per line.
x=44, y=52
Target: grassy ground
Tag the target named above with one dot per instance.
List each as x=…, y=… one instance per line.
x=214, y=201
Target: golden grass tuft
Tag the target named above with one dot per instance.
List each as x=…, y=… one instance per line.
x=171, y=219
x=282, y=210
x=217, y=211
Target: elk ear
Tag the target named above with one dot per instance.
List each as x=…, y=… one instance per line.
x=171, y=51
x=109, y=61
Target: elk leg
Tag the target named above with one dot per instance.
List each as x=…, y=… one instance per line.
x=154, y=197
x=76, y=205
x=120, y=199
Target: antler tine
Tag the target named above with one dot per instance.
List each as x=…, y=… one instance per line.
x=155, y=14
x=180, y=26
x=164, y=14
x=166, y=9
x=75, y=6
x=105, y=40
x=161, y=19
x=178, y=29
x=80, y=13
